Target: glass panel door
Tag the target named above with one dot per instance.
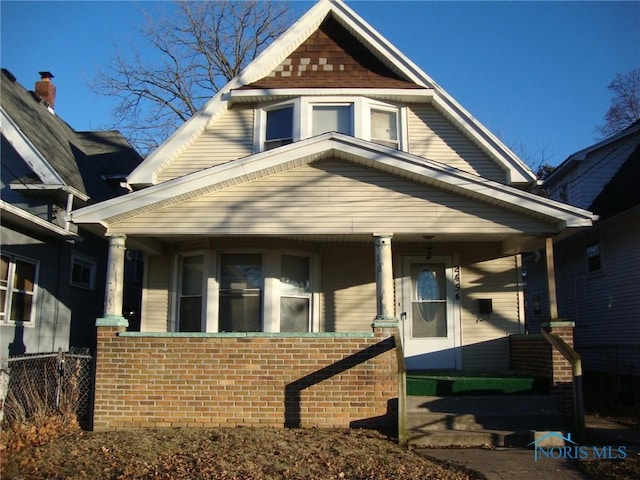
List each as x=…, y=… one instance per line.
x=295, y=294
x=241, y=290
x=428, y=306
x=430, y=318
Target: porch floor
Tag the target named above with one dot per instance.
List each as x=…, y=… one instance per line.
x=464, y=383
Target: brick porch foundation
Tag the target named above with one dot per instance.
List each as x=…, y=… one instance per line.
x=210, y=380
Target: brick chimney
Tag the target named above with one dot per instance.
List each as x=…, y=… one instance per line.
x=46, y=90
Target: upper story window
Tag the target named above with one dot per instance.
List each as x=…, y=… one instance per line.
x=306, y=117
x=563, y=193
x=331, y=118
x=279, y=127
x=384, y=127
x=18, y=280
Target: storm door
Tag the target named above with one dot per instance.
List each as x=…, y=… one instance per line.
x=430, y=326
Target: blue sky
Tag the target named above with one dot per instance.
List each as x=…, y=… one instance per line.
x=534, y=73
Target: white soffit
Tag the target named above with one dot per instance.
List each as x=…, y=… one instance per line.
x=29, y=153
x=331, y=145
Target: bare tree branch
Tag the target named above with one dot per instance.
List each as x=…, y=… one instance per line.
x=625, y=104
x=195, y=48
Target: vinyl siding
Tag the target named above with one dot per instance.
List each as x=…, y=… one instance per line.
x=348, y=300
x=229, y=138
x=587, y=179
x=155, y=295
x=434, y=137
x=604, y=305
x=329, y=196
x=485, y=344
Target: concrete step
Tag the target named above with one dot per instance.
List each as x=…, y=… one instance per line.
x=477, y=421
x=470, y=438
x=483, y=404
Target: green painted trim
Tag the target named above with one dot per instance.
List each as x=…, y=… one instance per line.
x=112, y=321
x=558, y=323
x=248, y=335
x=385, y=324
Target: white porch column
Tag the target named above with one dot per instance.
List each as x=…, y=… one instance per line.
x=384, y=278
x=551, y=279
x=115, y=283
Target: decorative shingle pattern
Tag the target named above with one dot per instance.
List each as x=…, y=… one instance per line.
x=332, y=58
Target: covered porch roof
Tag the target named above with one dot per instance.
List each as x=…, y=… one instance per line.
x=451, y=205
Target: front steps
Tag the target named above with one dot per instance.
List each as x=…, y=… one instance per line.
x=482, y=415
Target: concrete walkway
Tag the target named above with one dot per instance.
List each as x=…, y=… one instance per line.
x=508, y=463
x=512, y=463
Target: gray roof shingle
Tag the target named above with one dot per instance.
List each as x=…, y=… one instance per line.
x=79, y=158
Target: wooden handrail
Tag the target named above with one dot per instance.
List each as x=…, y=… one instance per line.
x=576, y=369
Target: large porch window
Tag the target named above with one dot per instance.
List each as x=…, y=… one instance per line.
x=295, y=294
x=241, y=287
x=191, y=288
x=245, y=292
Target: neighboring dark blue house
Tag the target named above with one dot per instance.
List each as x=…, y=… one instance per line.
x=52, y=272
x=598, y=268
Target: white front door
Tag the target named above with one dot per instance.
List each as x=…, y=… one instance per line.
x=430, y=318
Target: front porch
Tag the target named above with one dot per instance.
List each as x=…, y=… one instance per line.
x=299, y=380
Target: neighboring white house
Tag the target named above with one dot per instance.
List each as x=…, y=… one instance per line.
x=330, y=185
x=598, y=269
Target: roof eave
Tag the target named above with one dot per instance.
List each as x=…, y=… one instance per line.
x=28, y=151
x=464, y=183
x=32, y=222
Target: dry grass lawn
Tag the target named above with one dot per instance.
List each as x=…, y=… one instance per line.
x=235, y=453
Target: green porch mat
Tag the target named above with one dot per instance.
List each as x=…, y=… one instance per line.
x=445, y=383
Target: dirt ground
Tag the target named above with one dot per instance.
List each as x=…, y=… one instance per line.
x=238, y=453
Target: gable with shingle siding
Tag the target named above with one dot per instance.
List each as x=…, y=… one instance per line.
x=332, y=58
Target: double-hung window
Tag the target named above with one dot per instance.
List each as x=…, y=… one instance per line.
x=191, y=293
x=279, y=127
x=384, y=127
x=252, y=291
x=295, y=294
x=18, y=281
x=306, y=117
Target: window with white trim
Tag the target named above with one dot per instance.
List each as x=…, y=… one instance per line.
x=278, y=127
x=305, y=117
x=331, y=118
x=83, y=272
x=384, y=127
x=245, y=291
x=18, y=283
x=191, y=293
x=295, y=294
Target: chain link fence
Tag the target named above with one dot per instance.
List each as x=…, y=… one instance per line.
x=46, y=384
